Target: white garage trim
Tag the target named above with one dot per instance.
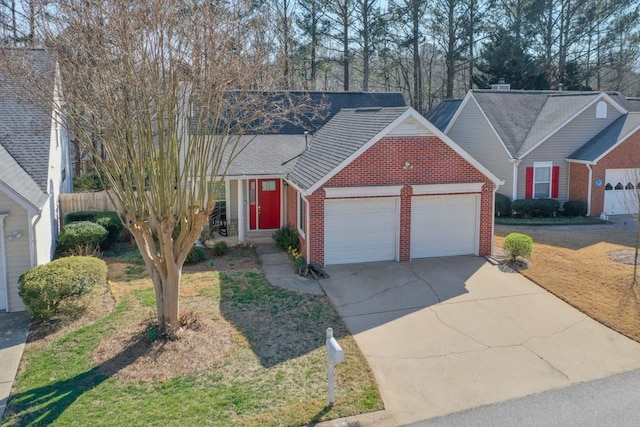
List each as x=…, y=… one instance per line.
x=387, y=190
x=361, y=230
x=445, y=225
x=621, y=191
x=464, y=187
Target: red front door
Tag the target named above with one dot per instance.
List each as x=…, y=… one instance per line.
x=264, y=203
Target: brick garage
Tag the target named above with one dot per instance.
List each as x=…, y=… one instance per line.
x=624, y=154
x=395, y=170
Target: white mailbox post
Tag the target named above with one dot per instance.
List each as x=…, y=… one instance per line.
x=335, y=355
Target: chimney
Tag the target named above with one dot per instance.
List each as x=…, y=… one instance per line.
x=501, y=85
x=306, y=139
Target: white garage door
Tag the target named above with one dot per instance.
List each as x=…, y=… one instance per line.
x=621, y=191
x=444, y=225
x=360, y=230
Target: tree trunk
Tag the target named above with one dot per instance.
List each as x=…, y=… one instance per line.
x=345, y=50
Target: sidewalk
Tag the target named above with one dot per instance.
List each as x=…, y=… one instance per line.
x=278, y=270
x=14, y=328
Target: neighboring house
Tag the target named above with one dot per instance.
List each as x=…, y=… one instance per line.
x=562, y=145
x=35, y=169
x=375, y=182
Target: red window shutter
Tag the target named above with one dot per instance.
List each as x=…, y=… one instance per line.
x=555, y=182
x=528, y=191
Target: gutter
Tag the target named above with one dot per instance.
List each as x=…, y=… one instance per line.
x=589, y=189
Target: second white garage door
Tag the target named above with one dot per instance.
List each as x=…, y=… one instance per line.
x=621, y=191
x=360, y=230
x=444, y=225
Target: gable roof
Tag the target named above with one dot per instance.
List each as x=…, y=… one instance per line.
x=522, y=120
x=339, y=142
x=609, y=138
x=25, y=129
x=17, y=184
x=441, y=114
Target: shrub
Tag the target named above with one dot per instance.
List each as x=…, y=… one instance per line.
x=83, y=233
x=59, y=286
x=523, y=207
x=109, y=220
x=286, y=237
x=546, y=207
x=528, y=208
x=196, y=255
x=518, y=245
x=220, y=248
x=87, y=182
x=502, y=205
x=575, y=208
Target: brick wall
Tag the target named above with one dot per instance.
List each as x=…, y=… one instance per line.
x=626, y=155
x=433, y=162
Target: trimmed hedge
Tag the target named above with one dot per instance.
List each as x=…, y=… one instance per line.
x=81, y=233
x=502, y=205
x=575, y=208
x=220, y=248
x=528, y=208
x=518, y=245
x=109, y=220
x=59, y=286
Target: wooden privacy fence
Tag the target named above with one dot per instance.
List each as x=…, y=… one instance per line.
x=89, y=201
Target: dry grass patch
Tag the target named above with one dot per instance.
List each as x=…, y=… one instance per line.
x=249, y=354
x=576, y=267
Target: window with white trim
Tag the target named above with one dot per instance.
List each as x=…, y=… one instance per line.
x=302, y=214
x=542, y=179
x=601, y=110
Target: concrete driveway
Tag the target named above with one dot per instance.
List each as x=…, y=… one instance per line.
x=448, y=334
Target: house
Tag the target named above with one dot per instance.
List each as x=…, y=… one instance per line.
x=374, y=182
x=34, y=154
x=542, y=144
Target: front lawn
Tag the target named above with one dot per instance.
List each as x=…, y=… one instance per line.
x=560, y=220
x=253, y=355
x=577, y=267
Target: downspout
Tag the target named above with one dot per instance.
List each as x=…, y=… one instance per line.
x=514, y=185
x=307, y=226
x=32, y=238
x=3, y=260
x=589, y=189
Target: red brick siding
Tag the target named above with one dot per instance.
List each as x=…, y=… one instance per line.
x=626, y=155
x=433, y=162
x=578, y=182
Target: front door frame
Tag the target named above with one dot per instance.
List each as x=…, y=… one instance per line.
x=253, y=205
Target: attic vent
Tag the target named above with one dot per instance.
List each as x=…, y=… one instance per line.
x=368, y=109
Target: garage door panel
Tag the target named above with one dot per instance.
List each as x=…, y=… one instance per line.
x=621, y=191
x=444, y=225
x=360, y=230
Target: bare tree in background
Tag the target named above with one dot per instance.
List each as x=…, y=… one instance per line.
x=167, y=88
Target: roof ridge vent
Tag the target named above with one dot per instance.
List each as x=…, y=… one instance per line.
x=368, y=109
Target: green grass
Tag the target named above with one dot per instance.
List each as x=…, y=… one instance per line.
x=561, y=220
x=275, y=373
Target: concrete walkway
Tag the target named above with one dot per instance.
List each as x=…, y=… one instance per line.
x=278, y=269
x=14, y=328
x=444, y=335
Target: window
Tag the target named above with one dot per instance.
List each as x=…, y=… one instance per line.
x=542, y=180
x=269, y=185
x=222, y=194
x=302, y=214
x=601, y=110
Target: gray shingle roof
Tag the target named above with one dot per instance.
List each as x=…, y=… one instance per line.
x=523, y=118
x=347, y=132
x=265, y=155
x=441, y=114
x=607, y=138
x=25, y=129
x=15, y=177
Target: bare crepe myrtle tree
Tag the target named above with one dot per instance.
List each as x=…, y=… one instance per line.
x=167, y=88
x=632, y=203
